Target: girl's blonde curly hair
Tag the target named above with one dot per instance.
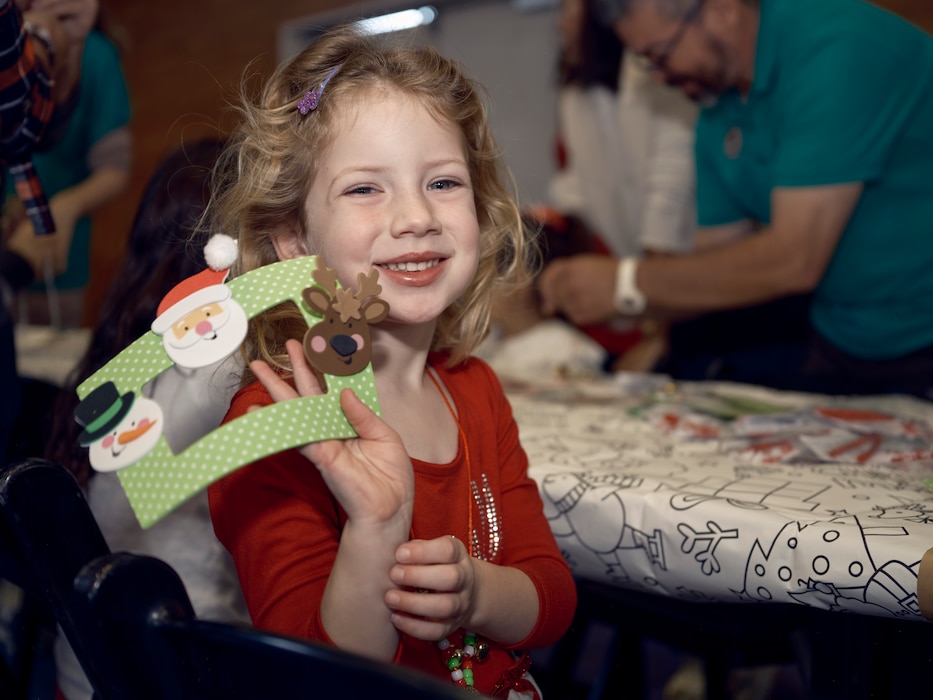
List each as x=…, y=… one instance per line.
x=266, y=172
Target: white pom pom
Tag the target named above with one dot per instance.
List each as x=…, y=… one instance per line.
x=220, y=251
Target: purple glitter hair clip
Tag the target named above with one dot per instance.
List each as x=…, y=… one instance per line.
x=310, y=101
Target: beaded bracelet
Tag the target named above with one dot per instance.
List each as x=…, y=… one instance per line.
x=459, y=660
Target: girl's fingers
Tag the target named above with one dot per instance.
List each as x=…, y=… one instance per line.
x=278, y=388
x=306, y=382
x=305, y=379
x=430, y=605
x=428, y=630
x=440, y=550
x=367, y=424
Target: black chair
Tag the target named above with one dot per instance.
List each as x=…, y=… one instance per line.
x=47, y=533
x=140, y=609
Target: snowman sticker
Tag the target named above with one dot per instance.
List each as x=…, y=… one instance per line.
x=118, y=430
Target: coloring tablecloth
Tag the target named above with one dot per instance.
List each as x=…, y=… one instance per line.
x=709, y=491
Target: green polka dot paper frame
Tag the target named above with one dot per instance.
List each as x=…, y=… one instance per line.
x=159, y=480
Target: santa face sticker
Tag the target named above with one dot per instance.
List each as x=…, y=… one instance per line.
x=118, y=430
x=204, y=325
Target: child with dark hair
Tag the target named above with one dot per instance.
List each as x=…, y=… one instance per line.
x=165, y=246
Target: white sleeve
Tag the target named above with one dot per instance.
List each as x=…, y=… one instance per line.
x=668, y=221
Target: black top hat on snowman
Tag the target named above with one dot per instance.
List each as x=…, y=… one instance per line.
x=101, y=411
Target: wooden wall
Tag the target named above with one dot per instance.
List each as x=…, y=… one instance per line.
x=183, y=60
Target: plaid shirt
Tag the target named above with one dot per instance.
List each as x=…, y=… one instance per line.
x=25, y=109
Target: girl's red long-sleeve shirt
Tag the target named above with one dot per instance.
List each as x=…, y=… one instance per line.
x=282, y=525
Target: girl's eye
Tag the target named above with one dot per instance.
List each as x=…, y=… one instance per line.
x=444, y=185
x=361, y=189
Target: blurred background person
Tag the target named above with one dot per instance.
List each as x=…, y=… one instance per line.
x=624, y=186
x=85, y=165
x=820, y=187
x=164, y=247
x=625, y=163
x=39, y=74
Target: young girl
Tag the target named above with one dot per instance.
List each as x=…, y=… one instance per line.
x=423, y=540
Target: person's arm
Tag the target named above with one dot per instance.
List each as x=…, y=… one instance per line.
x=524, y=594
x=714, y=236
x=69, y=205
x=371, y=477
x=532, y=590
x=787, y=257
x=102, y=186
x=284, y=530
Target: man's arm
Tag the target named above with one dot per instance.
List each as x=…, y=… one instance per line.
x=787, y=257
x=714, y=236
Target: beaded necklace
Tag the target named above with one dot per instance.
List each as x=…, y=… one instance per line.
x=459, y=659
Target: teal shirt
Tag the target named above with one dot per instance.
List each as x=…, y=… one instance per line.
x=842, y=92
x=103, y=105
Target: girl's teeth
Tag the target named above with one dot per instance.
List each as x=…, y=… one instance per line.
x=411, y=266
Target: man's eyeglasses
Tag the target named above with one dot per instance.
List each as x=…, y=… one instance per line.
x=658, y=61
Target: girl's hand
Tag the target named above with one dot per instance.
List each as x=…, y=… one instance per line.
x=370, y=475
x=437, y=587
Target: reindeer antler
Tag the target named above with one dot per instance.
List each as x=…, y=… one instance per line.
x=326, y=277
x=368, y=284
x=348, y=304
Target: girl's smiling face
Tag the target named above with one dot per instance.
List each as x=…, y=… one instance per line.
x=393, y=192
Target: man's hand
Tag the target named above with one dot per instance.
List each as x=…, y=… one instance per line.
x=581, y=287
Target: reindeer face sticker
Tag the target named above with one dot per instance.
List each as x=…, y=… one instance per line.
x=340, y=343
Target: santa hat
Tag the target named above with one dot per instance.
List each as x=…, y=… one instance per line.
x=205, y=287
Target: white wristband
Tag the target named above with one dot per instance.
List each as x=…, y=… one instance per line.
x=629, y=301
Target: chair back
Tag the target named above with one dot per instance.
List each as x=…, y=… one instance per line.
x=48, y=533
x=140, y=605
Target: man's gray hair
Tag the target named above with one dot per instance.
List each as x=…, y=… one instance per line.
x=611, y=11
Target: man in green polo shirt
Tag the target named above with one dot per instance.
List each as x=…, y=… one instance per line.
x=814, y=157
